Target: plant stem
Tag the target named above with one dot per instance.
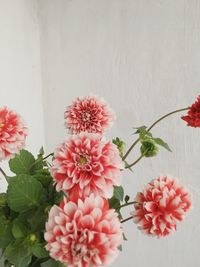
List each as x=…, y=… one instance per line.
x=49, y=155
x=127, y=219
x=4, y=174
x=135, y=162
x=128, y=204
x=156, y=122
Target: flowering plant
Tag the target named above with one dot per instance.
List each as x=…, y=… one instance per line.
x=64, y=209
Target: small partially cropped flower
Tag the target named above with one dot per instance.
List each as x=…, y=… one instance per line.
x=85, y=233
x=12, y=133
x=86, y=164
x=193, y=116
x=160, y=205
x=88, y=114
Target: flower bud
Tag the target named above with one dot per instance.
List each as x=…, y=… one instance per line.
x=149, y=148
x=32, y=238
x=120, y=145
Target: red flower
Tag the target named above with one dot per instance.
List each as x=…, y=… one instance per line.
x=88, y=114
x=85, y=164
x=12, y=133
x=193, y=116
x=85, y=233
x=162, y=203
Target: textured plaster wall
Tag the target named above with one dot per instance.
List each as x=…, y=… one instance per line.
x=143, y=57
x=20, y=72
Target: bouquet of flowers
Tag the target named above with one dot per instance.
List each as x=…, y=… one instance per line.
x=64, y=209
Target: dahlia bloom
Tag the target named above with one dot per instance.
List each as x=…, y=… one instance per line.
x=88, y=114
x=160, y=205
x=86, y=164
x=12, y=133
x=193, y=115
x=85, y=233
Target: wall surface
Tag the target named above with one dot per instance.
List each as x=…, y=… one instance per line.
x=143, y=57
x=20, y=72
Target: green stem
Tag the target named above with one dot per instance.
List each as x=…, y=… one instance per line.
x=4, y=174
x=128, y=204
x=135, y=162
x=127, y=219
x=49, y=155
x=156, y=122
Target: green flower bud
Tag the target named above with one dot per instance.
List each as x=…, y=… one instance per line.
x=120, y=145
x=32, y=238
x=149, y=148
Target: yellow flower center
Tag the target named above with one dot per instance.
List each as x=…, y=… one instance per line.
x=82, y=160
x=1, y=126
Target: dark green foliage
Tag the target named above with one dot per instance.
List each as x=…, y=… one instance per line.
x=24, y=212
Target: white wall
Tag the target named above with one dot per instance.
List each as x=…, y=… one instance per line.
x=143, y=56
x=20, y=72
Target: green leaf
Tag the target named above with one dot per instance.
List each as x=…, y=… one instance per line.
x=3, y=199
x=114, y=203
x=24, y=192
x=140, y=129
x=3, y=261
x=52, y=263
x=18, y=254
x=25, y=261
x=5, y=232
x=19, y=230
x=162, y=143
x=43, y=176
x=16, y=251
x=22, y=163
x=41, y=151
x=118, y=193
x=39, y=250
x=37, y=219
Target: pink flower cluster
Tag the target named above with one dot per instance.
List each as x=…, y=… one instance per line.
x=84, y=231
x=160, y=205
x=13, y=133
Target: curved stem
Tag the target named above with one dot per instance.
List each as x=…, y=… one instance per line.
x=156, y=122
x=128, y=204
x=4, y=174
x=135, y=162
x=127, y=219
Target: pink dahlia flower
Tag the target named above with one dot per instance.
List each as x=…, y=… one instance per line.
x=88, y=114
x=83, y=233
x=86, y=164
x=12, y=133
x=160, y=205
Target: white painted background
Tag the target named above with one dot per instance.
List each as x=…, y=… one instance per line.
x=20, y=70
x=143, y=57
